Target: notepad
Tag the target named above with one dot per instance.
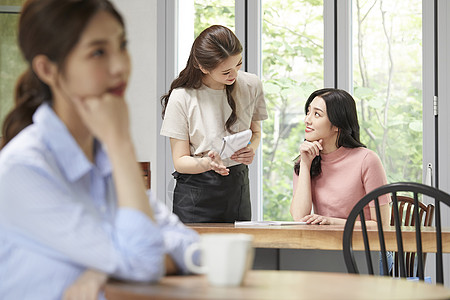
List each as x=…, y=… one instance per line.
x=234, y=142
x=266, y=223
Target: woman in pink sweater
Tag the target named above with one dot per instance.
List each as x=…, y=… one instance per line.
x=335, y=170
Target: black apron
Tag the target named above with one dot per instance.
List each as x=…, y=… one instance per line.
x=212, y=198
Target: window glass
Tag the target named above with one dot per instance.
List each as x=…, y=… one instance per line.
x=12, y=2
x=292, y=58
x=195, y=16
x=216, y=12
x=11, y=62
x=387, y=80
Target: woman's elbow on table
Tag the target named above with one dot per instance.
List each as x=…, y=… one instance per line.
x=141, y=257
x=145, y=270
x=152, y=274
x=295, y=212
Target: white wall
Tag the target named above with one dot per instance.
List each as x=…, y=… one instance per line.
x=140, y=20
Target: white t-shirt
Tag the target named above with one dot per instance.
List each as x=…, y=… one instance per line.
x=199, y=115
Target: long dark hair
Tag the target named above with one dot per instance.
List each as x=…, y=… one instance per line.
x=341, y=110
x=213, y=45
x=51, y=28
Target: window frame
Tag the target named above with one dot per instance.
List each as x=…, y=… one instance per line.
x=10, y=9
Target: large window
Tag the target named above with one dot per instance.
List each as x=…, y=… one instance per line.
x=387, y=80
x=292, y=59
x=11, y=62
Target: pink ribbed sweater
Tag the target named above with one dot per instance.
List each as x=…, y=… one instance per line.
x=347, y=175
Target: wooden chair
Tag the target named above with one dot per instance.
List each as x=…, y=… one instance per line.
x=358, y=210
x=406, y=212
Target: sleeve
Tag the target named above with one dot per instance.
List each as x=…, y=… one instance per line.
x=260, y=112
x=373, y=176
x=40, y=213
x=177, y=237
x=175, y=123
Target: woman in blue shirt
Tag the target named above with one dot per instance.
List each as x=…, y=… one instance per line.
x=73, y=206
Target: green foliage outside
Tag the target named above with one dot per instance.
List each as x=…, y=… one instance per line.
x=11, y=62
x=215, y=12
x=388, y=83
x=292, y=45
x=12, y=2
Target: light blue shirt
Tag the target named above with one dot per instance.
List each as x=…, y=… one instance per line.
x=59, y=217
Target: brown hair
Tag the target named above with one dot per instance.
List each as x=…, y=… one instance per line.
x=214, y=45
x=51, y=28
x=341, y=111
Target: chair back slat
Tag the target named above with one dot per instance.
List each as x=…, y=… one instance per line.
x=366, y=242
x=398, y=233
x=421, y=212
x=439, y=268
x=408, y=219
x=428, y=220
x=410, y=259
x=418, y=237
x=381, y=237
x=429, y=215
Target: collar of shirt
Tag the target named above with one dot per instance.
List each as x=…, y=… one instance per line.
x=65, y=149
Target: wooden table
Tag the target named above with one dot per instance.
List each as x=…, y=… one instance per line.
x=285, y=285
x=327, y=237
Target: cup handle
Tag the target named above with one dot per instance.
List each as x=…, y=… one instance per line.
x=188, y=259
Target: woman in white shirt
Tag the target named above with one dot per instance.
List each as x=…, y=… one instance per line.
x=73, y=206
x=209, y=100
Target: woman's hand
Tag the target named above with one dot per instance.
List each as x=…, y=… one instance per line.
x=316, y=219
x=309, y=150
x=216, y=164
x=87, y=286
x=105, y=116
x=244, y=156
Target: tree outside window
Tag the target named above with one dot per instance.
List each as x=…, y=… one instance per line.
x=11, y=62
x=387, y=79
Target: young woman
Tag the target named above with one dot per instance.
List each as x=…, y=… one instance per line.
x=334, y=170
x=73, y=206
x=211, y=99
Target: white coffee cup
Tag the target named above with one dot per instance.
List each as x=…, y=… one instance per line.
x=225, y=257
